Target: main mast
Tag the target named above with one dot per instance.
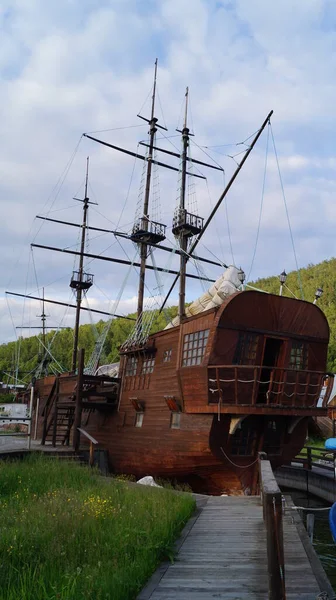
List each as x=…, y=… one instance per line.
x=81, y=281
x=185, y=225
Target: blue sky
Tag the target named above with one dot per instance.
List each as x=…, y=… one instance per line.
x=72, y=66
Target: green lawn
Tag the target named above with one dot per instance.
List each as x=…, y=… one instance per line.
x=69, y=534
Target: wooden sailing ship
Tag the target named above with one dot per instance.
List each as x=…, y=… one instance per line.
x=199, y=400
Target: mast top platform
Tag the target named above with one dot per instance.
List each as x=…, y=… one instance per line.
x=149, y=232
x=186, y=224
x=81, y=281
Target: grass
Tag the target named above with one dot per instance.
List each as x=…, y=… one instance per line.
x=68, y=534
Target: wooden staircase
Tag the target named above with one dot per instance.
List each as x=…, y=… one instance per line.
x=69, y=397
x=59, y=427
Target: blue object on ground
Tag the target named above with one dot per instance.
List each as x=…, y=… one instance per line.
x=330, y=444
x=332, y=521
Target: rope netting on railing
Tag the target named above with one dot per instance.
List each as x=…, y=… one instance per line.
x=280, y=383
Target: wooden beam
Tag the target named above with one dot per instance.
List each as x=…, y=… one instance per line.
x=78, y=408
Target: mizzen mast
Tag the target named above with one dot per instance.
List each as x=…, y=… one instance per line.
x=80, y=281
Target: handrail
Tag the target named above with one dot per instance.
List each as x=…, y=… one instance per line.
x=272, y=512
x=92, y=441
x=232, y=366
x=307, y=455
x=86, y=434
x=46, y=408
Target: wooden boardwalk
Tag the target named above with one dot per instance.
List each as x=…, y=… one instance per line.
x=222, y=555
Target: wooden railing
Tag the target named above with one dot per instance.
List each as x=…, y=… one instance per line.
x=92, y=441
x=311, y=456
x=272, y=513
x=268, y=386
x=50, y=403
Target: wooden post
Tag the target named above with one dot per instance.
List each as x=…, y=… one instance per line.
x=295, y=388
x=309, y=459
x=236, y=384
x=272, y=511
x=284, y=381
x=275, y=555
x=78, y=408
x=91, y=461
x=269, y=391
x=30, y=415
x=310, y=526
x=219, y=393
x=55, y=412
x=254, y=395
x=307, y=388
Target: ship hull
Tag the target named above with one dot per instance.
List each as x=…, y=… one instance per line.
x=201, y=400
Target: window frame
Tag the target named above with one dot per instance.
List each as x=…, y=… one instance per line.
x=175, y=420
x=167, y=355
x=139, y=417
x=194, y=345
x=246, y=351
x=148, y=364
x=131, y=366
x=298, y=356
x=247, y=432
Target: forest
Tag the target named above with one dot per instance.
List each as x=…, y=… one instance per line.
x=302, y=284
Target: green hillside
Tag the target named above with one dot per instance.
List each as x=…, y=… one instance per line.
x=29, y=348
x=314, y=276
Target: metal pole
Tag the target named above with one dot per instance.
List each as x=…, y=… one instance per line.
x=36, y=416
x=30, y=416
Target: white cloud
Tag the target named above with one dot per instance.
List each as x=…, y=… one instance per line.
x=69, y=67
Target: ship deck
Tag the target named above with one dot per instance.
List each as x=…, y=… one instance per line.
x=222, y=554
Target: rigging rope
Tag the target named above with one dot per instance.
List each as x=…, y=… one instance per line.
x=239, y=466
x=92, y=364
x=119, y=128
x=287, y=214
x=159, y=99
x=261, y=206
x=59, y=182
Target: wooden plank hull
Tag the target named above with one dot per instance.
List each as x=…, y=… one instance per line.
x=203, y=398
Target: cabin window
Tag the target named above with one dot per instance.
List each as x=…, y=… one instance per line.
x=299, y=356
x=167, y=355
x=148, y=365
x=194, y=347
x=246, y=350
x=139, y=419
x=131, y=366
x=243, y=441
x=175, y=420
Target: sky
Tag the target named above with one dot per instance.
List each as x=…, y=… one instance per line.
x=75, y=66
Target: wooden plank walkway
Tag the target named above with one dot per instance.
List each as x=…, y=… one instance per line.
x=222, y=555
